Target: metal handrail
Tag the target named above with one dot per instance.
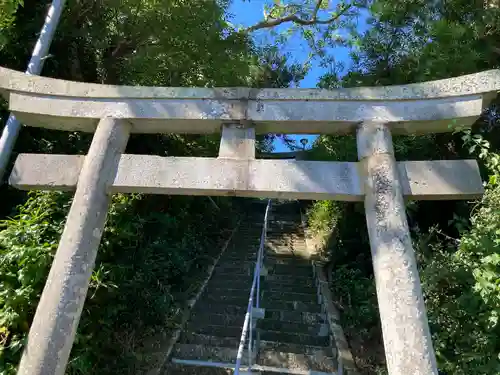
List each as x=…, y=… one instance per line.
x=254, y=291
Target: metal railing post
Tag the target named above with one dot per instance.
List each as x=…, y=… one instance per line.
x=250, y=341
x=254, y=292
x=35, y=65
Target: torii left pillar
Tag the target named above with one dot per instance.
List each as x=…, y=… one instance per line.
x=54, y=326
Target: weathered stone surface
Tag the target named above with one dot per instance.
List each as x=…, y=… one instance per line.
x=417, y=108
x=407, y=338
x=207, y=353
x=472, y=84
x=316, y=361
x=452, y=179
x=345, y=359
x=54, y=326
x=237, y=142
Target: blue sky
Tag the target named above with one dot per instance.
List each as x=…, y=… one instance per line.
x=247, y=13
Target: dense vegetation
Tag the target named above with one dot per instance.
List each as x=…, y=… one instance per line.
x=457, y=243
x=154, y=249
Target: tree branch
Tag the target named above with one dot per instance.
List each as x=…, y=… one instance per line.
x=293, y=18
x=316, y=10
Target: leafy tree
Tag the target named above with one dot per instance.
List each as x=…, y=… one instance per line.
x=153, y=246
x=320, y=24
x=7, y=11
x=456, y=242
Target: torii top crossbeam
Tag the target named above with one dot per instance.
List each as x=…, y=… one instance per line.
x=416, y=108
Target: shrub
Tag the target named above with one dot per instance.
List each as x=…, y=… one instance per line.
x=148, y=262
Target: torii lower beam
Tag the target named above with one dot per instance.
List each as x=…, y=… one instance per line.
x=288, y=179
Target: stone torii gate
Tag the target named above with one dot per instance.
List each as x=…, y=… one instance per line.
x=113, y=112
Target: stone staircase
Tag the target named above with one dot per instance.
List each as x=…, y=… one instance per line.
x=293, y=334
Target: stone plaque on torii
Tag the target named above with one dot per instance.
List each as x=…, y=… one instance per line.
x=382, y=183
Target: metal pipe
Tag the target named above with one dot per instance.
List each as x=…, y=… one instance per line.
x=35, y=65
x=250, y=340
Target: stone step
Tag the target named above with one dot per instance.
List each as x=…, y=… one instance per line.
x=291, y=306
x=255, y=227
x=286, y=220
x=284, y=251
x=271, y=282
x=239, y=274
x=247, y=267
x=291, y=261
x=243, y=257
x=238, y=300
x=243, y=288
x=274, y=246
x=283, y=217
x=215, y=330
x=295, y=361
x=227, y=289
x=188, y=337
x=275, y=295
x=247, y=239
x=233, y=266
x=320, y=329
x=294, y=231
x=294, y=338
x=243, y=252
x=207, y=353
x=289, y=258
x=285, y=269
x=289, y=227
x=206, y=318
x=296, y=348
x=220, y=308
x=280, y=235
x=294, y=245
x=276, y=280
x=288, y=287
x=178, y=369
x=237, y=313
x=295, y=316
x=245, y=247
x=295, y=228
x=221, y=284
x=279, y=260
x=244, y=238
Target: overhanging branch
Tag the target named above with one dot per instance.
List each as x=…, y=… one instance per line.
x=270, y=22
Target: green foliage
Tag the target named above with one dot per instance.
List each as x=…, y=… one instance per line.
x=460, y=277
x=153, y=249
x=318, y=24
x=457, y=244
x=7, y=11
x=148, y=263
x=462, y=281
x=322, y=216
x=462, y=293
x=417, y=40
x=27, y=246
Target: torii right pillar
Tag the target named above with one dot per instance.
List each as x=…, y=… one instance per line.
x=405, y=329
